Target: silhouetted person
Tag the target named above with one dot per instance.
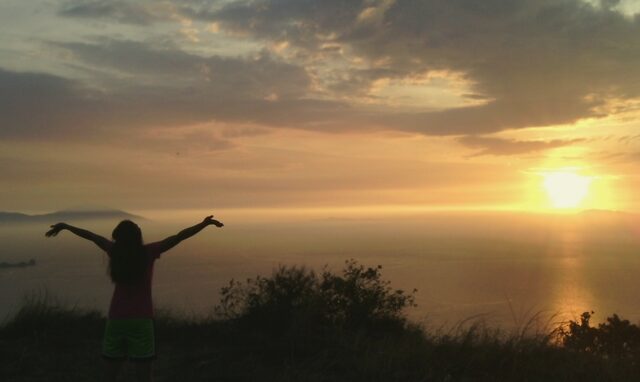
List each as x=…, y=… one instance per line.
x=129, y=333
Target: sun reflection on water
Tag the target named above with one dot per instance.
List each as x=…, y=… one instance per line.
x=571, y=295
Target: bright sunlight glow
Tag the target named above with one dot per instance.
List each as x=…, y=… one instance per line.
x=566, y=189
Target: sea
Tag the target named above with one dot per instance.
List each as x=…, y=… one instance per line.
x=507, y=270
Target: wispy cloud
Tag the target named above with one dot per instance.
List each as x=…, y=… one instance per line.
x=127, y=12
x=500, y=146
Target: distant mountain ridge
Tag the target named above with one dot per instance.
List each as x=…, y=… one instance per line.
x=66, y=215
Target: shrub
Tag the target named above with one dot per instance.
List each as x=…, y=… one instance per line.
x=295, y=298
x=613, y=338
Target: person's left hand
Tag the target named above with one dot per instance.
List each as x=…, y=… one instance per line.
x=55, y=229
x=209, y=220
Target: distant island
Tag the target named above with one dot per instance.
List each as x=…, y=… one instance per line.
x=21, y=264
x=66, y=215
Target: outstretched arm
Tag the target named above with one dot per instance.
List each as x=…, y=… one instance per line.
x=100, y=241
x=186, y=233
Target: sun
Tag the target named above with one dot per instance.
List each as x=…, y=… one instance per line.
x=566, y=189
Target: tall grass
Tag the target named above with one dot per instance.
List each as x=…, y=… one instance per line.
x=299, y=325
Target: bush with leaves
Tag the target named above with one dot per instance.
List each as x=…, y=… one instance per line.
x=613, y=338
x=296, y=298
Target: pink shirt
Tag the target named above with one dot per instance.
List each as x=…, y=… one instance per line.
x=134, y=301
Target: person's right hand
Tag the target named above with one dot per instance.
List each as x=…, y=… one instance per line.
x=55, y=229
x=211, y=221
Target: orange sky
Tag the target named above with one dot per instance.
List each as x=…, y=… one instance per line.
x=270, y=104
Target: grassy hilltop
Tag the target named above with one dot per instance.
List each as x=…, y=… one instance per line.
x=298, y=325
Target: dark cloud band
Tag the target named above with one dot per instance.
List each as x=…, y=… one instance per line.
x=527, y=62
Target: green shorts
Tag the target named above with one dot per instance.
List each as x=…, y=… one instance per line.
x=130, y=338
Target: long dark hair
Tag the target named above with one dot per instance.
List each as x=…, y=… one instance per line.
x=127, y=260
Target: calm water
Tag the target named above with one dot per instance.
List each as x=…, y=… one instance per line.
x=501, y=268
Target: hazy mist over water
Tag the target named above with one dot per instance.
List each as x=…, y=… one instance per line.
x=502, y=267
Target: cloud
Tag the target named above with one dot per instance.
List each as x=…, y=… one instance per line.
x=499, y=146
x=36, y=104
x=201, y=139
x=620, y=157
x=41, y=105
x=628, y=139
x=511, y=65
x=540, y=62
x=135, y=84
x=119, y=11
x=255, y=76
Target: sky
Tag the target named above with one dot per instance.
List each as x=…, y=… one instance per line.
x=303, y=104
